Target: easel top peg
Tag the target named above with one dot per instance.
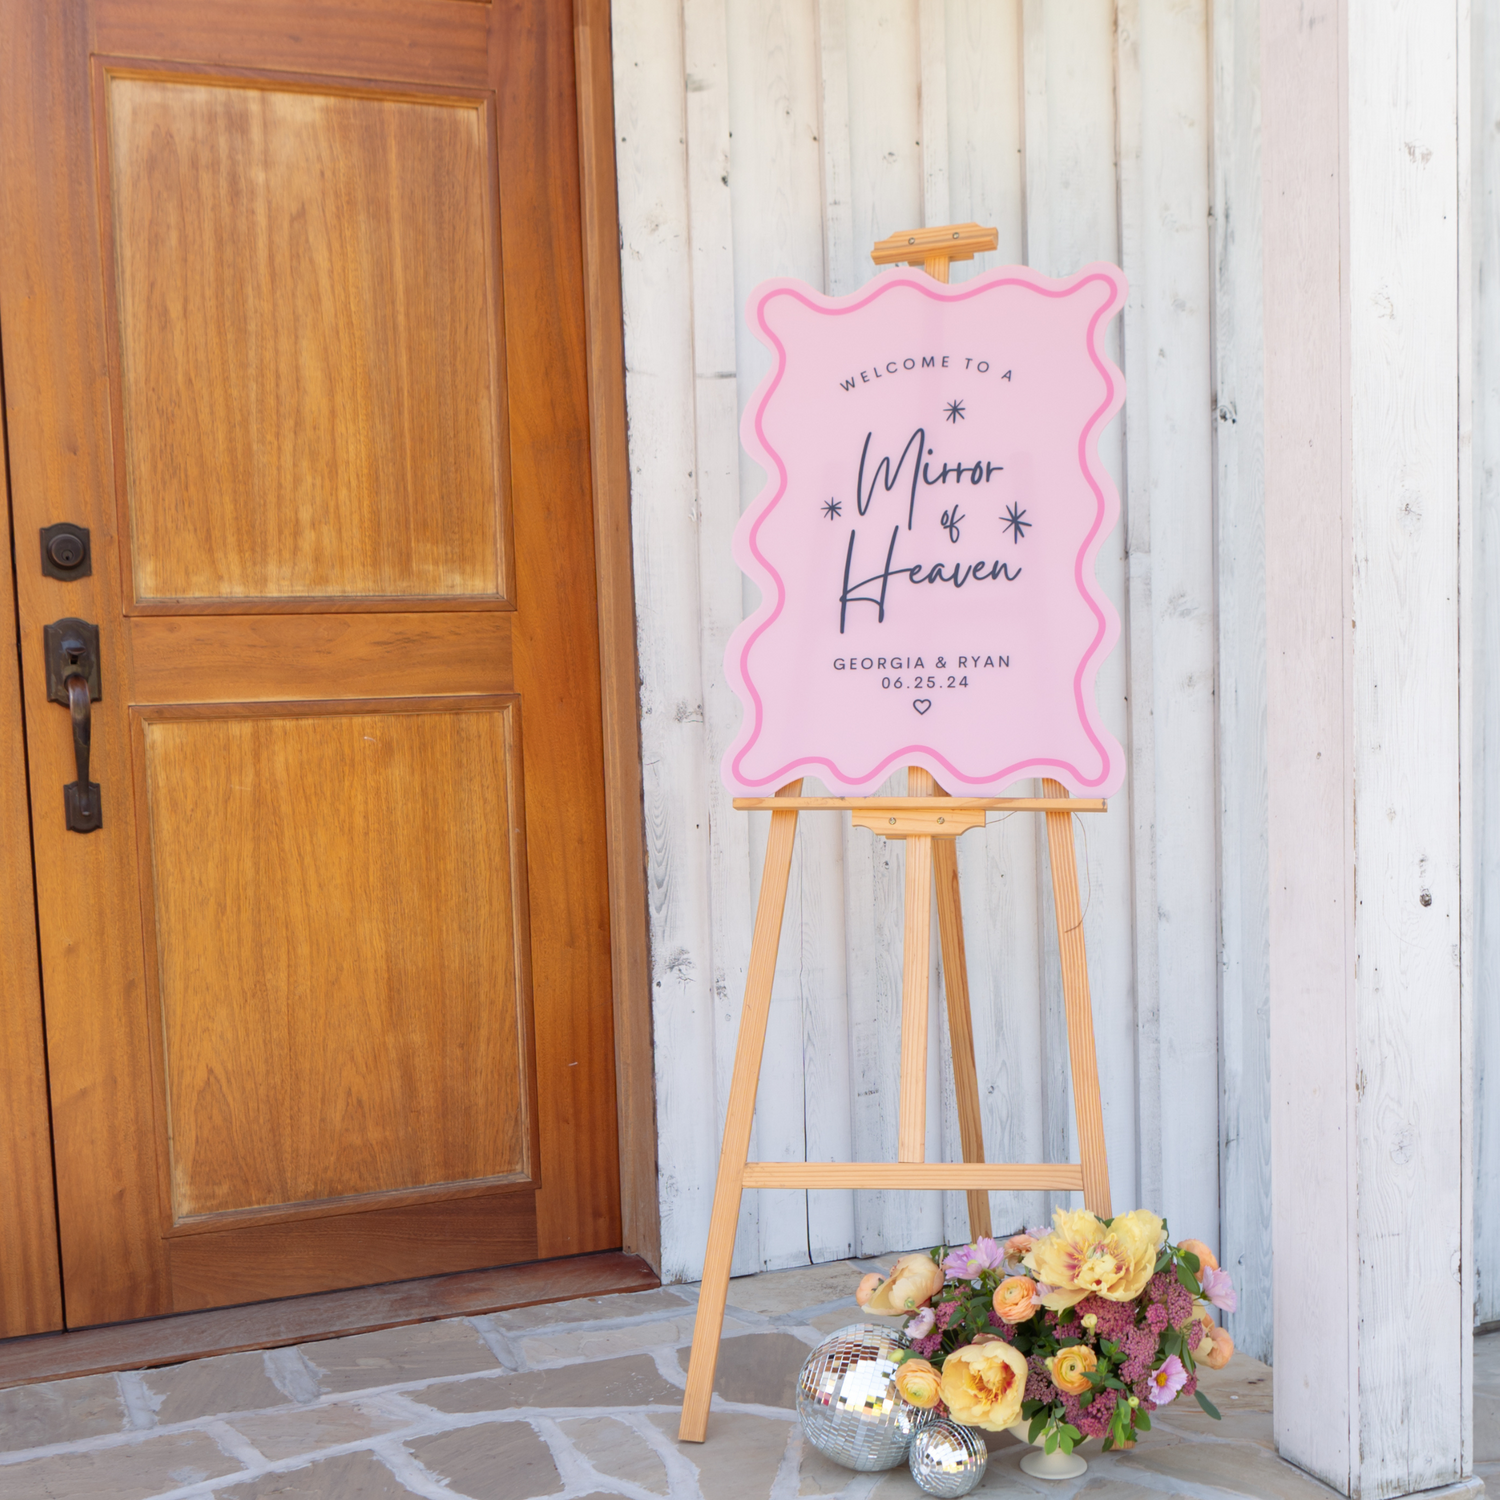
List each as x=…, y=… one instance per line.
x=935, y=247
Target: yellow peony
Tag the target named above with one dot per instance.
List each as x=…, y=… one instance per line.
x=1069, y=1368
x=919, y=1383
x=1081, y=1256
x=983, y=1385
x=914, y=1279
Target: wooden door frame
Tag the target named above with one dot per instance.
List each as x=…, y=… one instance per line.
x=630, y=951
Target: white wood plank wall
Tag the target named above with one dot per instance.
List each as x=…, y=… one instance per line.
x=761, y=138
x=1484, y=806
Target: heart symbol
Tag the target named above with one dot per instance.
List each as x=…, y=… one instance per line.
x=921, y=704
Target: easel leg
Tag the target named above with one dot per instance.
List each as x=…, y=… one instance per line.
x=741, y=1112
x=911, y=1132
x=1075, y=978
x=960, y=1024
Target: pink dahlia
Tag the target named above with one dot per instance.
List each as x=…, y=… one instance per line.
x=969, y=1261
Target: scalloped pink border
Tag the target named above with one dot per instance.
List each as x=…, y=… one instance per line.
x=761, y=570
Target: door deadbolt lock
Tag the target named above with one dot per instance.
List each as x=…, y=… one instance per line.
x=72, y=650
x=65, y=551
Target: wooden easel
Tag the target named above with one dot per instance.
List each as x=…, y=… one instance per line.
x=929, y=820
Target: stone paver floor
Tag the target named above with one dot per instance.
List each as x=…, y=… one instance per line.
x=577, y=1400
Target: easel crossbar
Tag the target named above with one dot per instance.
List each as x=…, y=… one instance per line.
x=1062, y=1177
x=923, y=804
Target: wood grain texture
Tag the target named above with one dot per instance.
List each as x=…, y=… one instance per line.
x=321, y=266
x=109, y=1092
x=556, y=640
x=30, y=1292
x=749, y=1050
x=1364, y=719
x=1082, y=1055
x=411, y=40
x=911, y=1130
x=1245, y=879
x=296, y=1320
x=826, y=118
x=214, y=659
x=104, y=1124
x=1063, y=1176
x=322, y=1033
x=1405, y=428
x=630, y=954
x=1484, y=697
x=258, y=1262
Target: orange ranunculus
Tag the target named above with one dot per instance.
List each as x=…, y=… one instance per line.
x=983, y=1385
x=1207, y=1260
x=866, y=1289
x=1015, y=1247
x=1016, y=1300
x=919, y=1383
x=914, y=1279
x=1069, y=1368
x=1218, y=1356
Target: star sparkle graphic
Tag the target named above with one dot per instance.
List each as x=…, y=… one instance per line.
x=954, y=411
x=832, y=508
x=1014, y=523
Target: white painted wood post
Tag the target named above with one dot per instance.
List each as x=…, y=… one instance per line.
x=1363, y=152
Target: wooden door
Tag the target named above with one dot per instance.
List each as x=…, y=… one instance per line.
x=292, y=319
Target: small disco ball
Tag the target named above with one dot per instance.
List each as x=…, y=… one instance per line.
x=848, y=1403
x=947, y=1459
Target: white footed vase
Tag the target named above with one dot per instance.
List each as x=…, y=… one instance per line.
x=1043, y=1465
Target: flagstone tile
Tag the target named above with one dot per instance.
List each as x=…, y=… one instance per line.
x=127, y=1471
x=599, y=1343
x=608, y=1382
x=284, y=1434
x=615, y=1450
x=416, y=1352
x=759, y=1368
x=206, y=1387
x=350, y=1476
x=740, y=1459
x=591, y=1310
x=1114, y=1489
x=817, y=1475
x=494, y=1461
x=1240, y=1468
x=790, y=1291
x=60, y=1411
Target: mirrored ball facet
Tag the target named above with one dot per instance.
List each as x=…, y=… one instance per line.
x=947, y=1459
x=848, y=1403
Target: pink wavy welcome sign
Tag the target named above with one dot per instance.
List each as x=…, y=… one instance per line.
x=925, y=542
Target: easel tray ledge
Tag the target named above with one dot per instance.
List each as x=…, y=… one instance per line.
x=921, y=804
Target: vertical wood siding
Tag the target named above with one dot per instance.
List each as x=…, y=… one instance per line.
x=761, y=138
x=1483, y=802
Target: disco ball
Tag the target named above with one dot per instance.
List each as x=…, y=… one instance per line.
x=848, y=1403
x=947, y=1459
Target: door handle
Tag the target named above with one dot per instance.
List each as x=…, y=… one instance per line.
x=72, y=648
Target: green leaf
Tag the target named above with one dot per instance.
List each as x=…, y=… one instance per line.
x=1207, y=1405
x=1051, y=1444
x=1085, y=1400
x=1141, y=1419
x=1031, y=1407
x=1038, y=1422
x=1065, y=1443
x=1188, y=1280
x=1163, y=1261
x=1192, y=1261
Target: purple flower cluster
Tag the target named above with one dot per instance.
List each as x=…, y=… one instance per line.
x=1039, y=1385
x=1091, y=1420
x=1139, y=1348
x=945, y=1311
x=1115, y=1319
x=929, y=1346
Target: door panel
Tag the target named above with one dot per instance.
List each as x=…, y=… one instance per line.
x=30, y=1294
x=318, y=266
x=345, y=1028
x=292, y=317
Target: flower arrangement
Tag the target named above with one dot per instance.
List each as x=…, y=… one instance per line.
x=1077, y=1331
